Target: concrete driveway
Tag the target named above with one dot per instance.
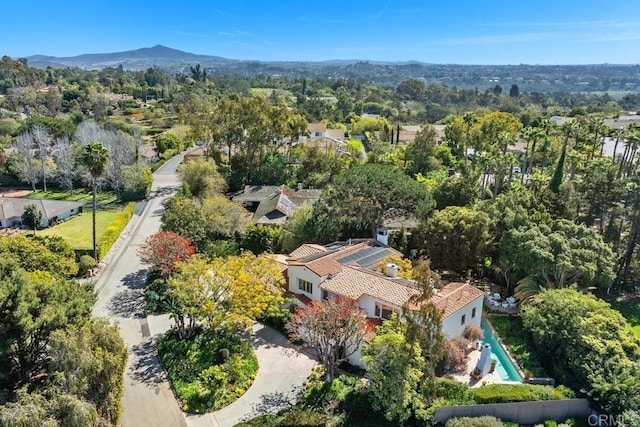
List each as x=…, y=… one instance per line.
x=281, y=376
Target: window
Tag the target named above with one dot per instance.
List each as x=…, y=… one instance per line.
x=473, y=312
x=325, y=294
x=305, y=286
x=383, y=311
x=463, y=320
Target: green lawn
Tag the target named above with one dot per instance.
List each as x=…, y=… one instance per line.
x=77, y=229
x=630, y=309
x=82, y=195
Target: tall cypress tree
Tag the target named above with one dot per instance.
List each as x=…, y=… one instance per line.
x=558, y=174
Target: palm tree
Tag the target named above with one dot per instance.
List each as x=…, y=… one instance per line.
x=469, y=119
x=548, y=130
x=532, y=135
x=95, y=157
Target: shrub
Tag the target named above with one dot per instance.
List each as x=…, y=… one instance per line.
x=453, y=391
x=110, y=236
x=156, y=294
x=473, y=332
x=269, y=420
x=455, y=356
x=485, y=421
x=297, y=418
x=86, y=263
x=506, y=393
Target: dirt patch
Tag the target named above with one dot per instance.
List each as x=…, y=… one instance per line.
x=14, y=193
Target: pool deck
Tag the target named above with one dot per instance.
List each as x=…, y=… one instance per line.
x=465, y=377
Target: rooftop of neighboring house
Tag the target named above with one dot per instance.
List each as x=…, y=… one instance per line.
x=11, y=207
x=316, y=127
x=148, y=151
x=272, y=204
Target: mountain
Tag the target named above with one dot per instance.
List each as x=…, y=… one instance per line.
x=140, y=59
x=531, y=78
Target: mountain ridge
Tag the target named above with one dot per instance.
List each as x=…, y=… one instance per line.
x=542, y=78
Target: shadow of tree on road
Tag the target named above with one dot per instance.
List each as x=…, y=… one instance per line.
x=130, y=303
x=136, y=280
x=146, y=367
x=271, y=403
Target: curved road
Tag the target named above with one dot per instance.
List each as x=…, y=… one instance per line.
x=148, y=399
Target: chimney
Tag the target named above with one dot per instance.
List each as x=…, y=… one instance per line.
x=299, y=186
x=391, y=270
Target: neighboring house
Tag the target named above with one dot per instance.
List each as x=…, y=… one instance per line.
x=351, y=269
x=149, y=153
x=273, y=204
x=12, y=208
x=317, y=130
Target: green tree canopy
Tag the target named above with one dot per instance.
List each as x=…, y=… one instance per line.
x=33, y=306
x=455, y=238
x=201, y=177
x=51, y=254
x=588, y=347
x=555, y=256
x=31, y=217
x=368, y=194
x=394, y=370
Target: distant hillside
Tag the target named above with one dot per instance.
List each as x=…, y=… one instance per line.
x=139, y=59
x=611, y=78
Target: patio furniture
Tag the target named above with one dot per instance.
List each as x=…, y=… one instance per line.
x=505, y=304
x=497, y=296
x=512, y=305
x=511, y=300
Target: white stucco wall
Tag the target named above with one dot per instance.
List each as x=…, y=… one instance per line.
x=67, y=214
x=300, y=272
x=451, y=325
x=368, y=304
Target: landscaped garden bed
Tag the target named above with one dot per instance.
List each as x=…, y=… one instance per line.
x=208, y=371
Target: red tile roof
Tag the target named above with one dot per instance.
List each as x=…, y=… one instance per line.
x=454, y=296
x=355, y=282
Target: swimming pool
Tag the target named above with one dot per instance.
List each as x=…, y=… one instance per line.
x=504, y=368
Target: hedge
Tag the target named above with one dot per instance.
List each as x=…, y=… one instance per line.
x=507, y=393
x=109, y=237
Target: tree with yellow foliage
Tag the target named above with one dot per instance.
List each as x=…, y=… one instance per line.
x=227, y=292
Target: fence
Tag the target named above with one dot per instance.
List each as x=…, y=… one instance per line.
x=519, y=412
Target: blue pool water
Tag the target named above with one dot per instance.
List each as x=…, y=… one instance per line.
x=504, y=368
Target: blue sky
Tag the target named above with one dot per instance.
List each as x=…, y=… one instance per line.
x=437, y=31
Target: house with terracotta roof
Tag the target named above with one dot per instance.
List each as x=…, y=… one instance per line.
x=353, y=269
x=273, y=204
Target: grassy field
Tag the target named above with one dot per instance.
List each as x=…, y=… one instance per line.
x=77, y=230
x=80, y=195
x=630, y=309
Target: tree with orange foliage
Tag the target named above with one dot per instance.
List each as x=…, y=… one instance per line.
x=163, y=250
x=334, y=330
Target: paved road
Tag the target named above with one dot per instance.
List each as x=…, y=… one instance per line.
x=148, y=399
